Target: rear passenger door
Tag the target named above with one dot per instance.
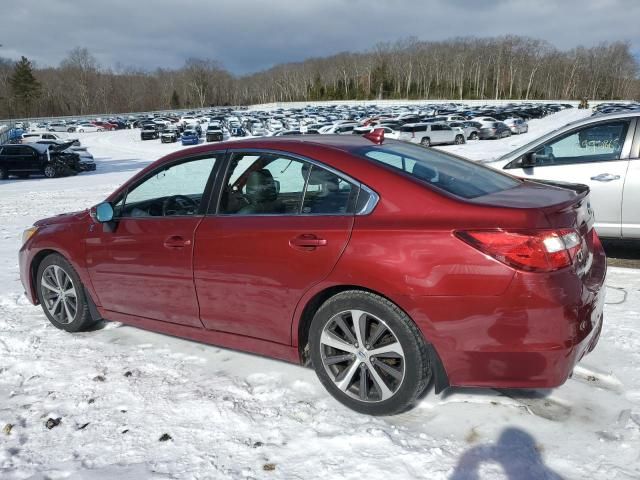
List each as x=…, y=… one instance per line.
x=280, y=227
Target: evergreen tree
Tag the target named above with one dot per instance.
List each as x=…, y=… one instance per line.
x=175, y=100
x=24, y=86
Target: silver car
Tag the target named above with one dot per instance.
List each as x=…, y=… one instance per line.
x=517, y=125
x=602, y=152
x=428, y=134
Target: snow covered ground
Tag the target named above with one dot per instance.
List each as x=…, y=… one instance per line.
x=118, y=390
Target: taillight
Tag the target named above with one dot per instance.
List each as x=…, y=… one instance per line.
x=530, y=250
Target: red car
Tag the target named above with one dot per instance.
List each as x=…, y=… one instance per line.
x=383, y=264
x=105, y=125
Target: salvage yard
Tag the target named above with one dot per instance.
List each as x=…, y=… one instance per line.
x=122, y=402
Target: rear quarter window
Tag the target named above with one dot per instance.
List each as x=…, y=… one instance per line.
x=454, y=175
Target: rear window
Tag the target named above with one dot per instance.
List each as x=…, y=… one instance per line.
x=462, y=178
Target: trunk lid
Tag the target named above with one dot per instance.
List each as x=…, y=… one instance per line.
x=566, y=206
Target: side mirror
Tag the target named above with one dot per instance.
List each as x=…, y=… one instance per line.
x=103, y=212
x=529, y=160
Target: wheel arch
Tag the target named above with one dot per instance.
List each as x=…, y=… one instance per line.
x=440, y=377
x=35, y=264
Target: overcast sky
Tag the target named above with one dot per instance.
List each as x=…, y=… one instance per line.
x=251, y=35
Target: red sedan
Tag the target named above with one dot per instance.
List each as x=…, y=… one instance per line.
x=385, y=265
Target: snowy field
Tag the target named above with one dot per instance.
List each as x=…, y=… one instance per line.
x=118, y=390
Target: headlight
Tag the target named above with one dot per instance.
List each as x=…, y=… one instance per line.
x=28, y=233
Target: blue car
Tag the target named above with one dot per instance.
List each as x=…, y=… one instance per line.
x=190, y=137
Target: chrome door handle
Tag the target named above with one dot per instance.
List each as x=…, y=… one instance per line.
x=605, y=177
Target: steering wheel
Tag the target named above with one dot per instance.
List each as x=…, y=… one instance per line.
x=178, y=205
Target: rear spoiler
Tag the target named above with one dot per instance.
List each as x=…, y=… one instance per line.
x=580, y=188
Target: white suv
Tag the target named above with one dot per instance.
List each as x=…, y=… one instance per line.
x=428, y=134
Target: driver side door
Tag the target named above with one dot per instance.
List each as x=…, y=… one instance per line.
x=141, y=263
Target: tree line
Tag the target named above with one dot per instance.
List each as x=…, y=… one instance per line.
x=510, y=67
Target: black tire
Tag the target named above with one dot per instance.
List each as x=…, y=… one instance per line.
x=473, y=136
x=50, y=171
x=425, y=142
x=4, y=173
x=81, y=318
x=459, y=140
x=70, y=130
x=414, y=361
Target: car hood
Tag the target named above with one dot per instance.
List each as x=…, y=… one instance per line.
x=61, y=146
x=63, y=218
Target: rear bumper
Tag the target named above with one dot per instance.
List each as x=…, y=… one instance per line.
x=532, y=336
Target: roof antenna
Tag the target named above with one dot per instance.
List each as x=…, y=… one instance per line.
x=376, y=136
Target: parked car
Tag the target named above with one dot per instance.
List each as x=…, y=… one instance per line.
x=601, y=152
x=37, y=159
x=494, y=130
x=104, y=125
x=329, y=253
x=471, y=131
x=149, y=131
x=170, y=135
x=190, y=137
x=388, y=132
x=214, y=133
x=87, y=127
x=57, y=127
x=517, y=125
x=238, y=131
x=35, y=137
x=86, y=158
x=428, y=134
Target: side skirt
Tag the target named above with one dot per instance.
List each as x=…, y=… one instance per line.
x=212, y=337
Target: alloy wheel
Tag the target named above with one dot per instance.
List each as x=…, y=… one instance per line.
x=59, y=294
x=362, y=356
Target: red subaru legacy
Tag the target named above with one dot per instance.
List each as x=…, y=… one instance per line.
x=384, y=265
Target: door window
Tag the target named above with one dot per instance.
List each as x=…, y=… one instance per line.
x=272, y=184
x=175, y=190
x=595, y=143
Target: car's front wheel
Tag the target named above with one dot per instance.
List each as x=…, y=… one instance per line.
x=62, y=295
x=368, y=353
x=50, y=171
x=459, y=140
x=473, y=136
x=425, y=142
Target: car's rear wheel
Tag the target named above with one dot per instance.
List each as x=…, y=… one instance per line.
x=368, y=353
x=459, y=140
x=4, y=173
x=425, y=142
x=473, y=136
x=62, y=295
x=50, y=171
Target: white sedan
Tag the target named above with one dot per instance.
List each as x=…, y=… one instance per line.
x=87, y=127
x=602, y=152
